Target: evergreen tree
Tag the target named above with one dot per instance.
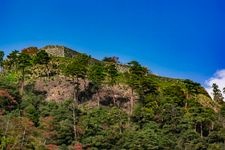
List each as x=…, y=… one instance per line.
x=134, y=77
x=112, y=74
x=43, y=58
x=97, y=77
x=84, y=61
x=24, y=61
x=12, y=60
x=1, y=59
x=217, y=95
x=77, y=69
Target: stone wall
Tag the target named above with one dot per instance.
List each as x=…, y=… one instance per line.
x=59, y=51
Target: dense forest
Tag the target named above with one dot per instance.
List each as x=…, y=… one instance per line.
x=102, y=105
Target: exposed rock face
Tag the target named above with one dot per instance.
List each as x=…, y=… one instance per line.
x=59, y=51
x=61, y=88
x=57, y=89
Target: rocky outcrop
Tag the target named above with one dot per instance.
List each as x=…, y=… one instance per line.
x=59, y=51
x=61, y=88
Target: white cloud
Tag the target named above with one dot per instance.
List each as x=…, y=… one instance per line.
x=219, y=79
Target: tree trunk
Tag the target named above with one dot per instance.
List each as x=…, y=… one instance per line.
x=131, y=102
x=196, y=128
x=201, y=130
x=74, y=122
x=186, y=104
x=75, y=89
x=120, y=124
x=23, y=138
x=6, y=128
x=98, y=98
x=75, y=97
x=114, y=100
x=22, y=82
x=186, y=101
x=212, y=126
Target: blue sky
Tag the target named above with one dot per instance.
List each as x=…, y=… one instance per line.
x=175, y=38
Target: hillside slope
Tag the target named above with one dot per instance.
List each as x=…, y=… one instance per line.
x=82, y=103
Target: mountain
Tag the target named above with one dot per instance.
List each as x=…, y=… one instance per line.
x=57, y=98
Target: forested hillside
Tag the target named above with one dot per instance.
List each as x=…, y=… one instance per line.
x=73, y=103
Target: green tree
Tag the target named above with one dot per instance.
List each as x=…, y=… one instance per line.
x=24, y=61
x=84, y=61
x=217, y=95
x=150, y=137
x=97, y=76
x=112, y=74
x=222, y=110
x=191, y=89
x=77, y=69
x=43, y=58
x=147, y=87
x=1, y=59
x=103, y=127
x=134, y=76
x=12, y=60
x=203, y=119
x=64, y=123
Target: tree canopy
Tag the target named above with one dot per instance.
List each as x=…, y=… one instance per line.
x=149, y=111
